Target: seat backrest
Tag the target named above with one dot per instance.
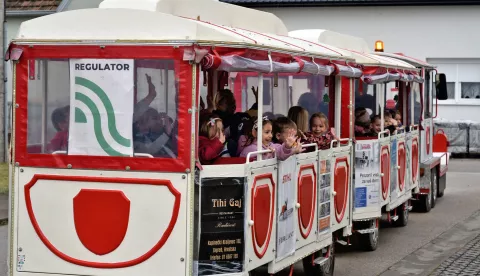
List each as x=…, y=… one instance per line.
x=440, y=142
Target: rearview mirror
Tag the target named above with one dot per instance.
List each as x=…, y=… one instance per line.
x=441, y=85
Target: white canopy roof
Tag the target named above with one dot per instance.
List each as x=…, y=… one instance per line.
x=133, y=25
x=413, y=61
x=209, y=11
x=118, y=25
x=356, y=47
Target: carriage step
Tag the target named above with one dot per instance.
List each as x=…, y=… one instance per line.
x=394, y=218
x=320, y=261
x=366, y=231
x=342, y=242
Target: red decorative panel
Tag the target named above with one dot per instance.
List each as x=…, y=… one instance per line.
x=402, y=163
x=261, y=213
x=341, y=182
x=101, y=219
x=262, y=209
x=104, y=180
x=427, y=139
x=414, y=159
x=307, y=197
x=385, y=169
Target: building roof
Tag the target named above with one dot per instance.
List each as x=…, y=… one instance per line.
x=32, y=5
x=305, y=3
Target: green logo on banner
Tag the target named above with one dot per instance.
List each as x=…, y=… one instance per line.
x=97, y=119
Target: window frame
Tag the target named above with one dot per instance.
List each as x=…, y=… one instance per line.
x=183, y=70
x=457, y=100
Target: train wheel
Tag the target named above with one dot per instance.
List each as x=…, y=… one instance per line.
x=424, y=202
x=369, y=242
x=325, y=269
x=434, y=187
x=403, y=213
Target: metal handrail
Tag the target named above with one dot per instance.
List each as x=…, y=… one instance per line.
x=259, y=152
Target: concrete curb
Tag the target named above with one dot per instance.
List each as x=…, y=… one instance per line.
x=425, y=260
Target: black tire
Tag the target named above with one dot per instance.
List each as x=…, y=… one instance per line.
x=327, y=269
x=434, y=186
x=369, y=242
x=403, y=213
x=424, y=202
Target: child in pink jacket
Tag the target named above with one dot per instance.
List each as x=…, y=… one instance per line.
x=291, y=145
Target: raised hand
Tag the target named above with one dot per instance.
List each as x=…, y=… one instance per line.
x=202, y=104
x=255, y=92
x=291, y=140
x=298, y=147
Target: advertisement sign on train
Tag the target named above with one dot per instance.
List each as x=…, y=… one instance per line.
x=367, y=173
x=101, y=93
x=222, y=216
x=408, y=172
x=393, y=168
x=285, y=208
x=324, y=193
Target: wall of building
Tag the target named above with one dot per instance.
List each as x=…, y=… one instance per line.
x=441, y=34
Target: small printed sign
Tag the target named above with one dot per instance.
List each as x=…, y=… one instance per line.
x=222, y=216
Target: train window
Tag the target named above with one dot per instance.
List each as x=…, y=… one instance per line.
x=48, y=105
x=102, y=107
x=415, y=95
x=427, y=94
x=366, y=96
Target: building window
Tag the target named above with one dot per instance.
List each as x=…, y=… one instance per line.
x=463, y=79
x=470, y=90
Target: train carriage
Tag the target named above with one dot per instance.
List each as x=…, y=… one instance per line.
x=386, y=166
x=105, y=172
x=94, y=194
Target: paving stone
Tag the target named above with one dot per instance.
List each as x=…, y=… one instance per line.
x=466, y=262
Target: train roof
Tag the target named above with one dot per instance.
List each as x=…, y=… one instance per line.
x=357, y=47
x=109, y=25
x=413, y=61
x=208, y=11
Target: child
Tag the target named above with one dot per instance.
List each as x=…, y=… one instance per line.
x=362, y=122
x=376, y=125
x=282, y=128
x=398, y=117
x=210, y=139
x=60, y=121
x=299, y=116
x=390, y=123
x=244, y=129
x=283, y=151
x=320, y=132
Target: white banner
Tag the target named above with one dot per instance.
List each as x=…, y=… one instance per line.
x=101, y=104
x=324, y=197
x=408, y=159
x=367, y=174
x=285, y=207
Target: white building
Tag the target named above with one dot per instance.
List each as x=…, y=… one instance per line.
x=441, y=32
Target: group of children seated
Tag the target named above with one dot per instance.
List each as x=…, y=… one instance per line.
x=225, y=134
x=366, y=126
